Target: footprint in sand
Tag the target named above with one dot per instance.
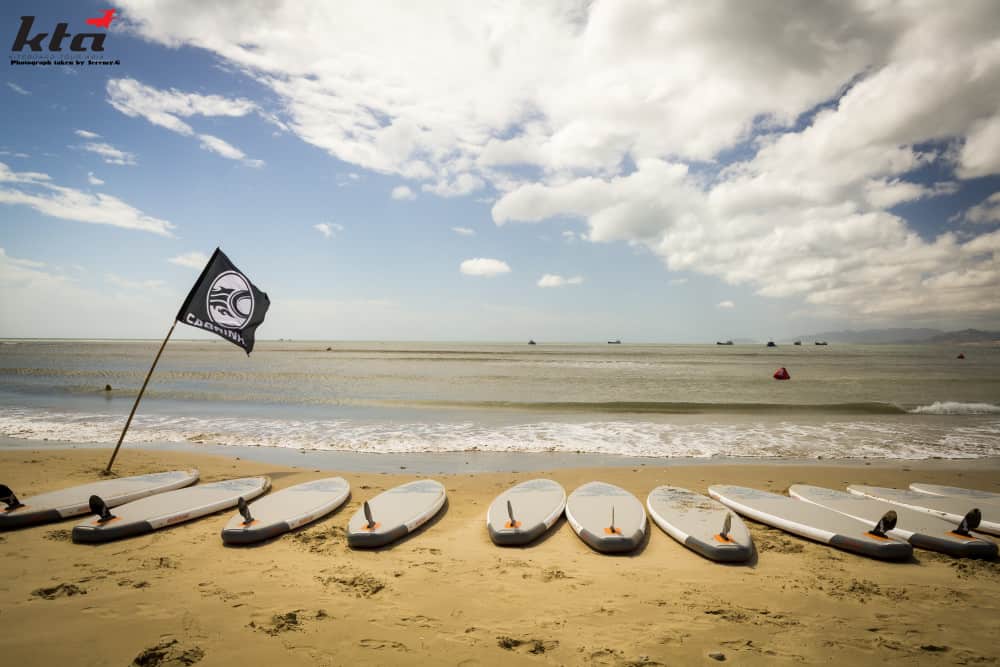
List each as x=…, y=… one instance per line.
x=168, y=653
x=533, y=646
x=379, y=644
x=58, y=591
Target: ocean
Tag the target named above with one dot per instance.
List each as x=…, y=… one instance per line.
x=663, y=401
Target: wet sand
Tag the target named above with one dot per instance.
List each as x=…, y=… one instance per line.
x=447, y=595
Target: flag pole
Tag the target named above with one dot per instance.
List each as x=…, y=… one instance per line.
x=138, y=398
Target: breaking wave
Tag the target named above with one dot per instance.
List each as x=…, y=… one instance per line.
x=956, y=408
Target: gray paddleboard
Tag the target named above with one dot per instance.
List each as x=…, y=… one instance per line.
x=286, y=510
x=918, y=528
x=166, y=509
x=74, y=501
x=948, y=508
x=395, y=513
x=535, y=506
x=698, y=523
x=957, y=492
x=608, y=518
x=811, y=521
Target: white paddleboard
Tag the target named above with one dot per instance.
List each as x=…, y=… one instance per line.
x=956, y=492
x=74, y=501
x=524, y=512
x=948, y=508
x=286, y=510
x=395, y=513
x=811, y=521
x=607, y=517
x=167, y=509
x=918, y=528
x=700, y=523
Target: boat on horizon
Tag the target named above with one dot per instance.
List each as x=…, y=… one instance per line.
x=771, y=343
x=798, y=342
x=821, y=342
x=615, y=342
x=532, y=342
x=728, y=342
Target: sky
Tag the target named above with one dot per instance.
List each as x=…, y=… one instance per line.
x=561, y=171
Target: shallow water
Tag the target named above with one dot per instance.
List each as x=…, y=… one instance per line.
x=905, y=401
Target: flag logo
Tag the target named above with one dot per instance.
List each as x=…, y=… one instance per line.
x=230, y=300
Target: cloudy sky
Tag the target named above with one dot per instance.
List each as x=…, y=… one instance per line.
x=654, y=171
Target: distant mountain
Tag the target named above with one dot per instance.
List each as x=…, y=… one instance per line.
x=902, y=335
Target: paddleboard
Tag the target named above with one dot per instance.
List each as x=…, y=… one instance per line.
x=286, y=510
x=166, y=509
x=394, y=513
x=608, y=518
x=812, y=522
x=74, y=501
x=918, y=528
x=956, y=492
x=948, y=508
x=699, y=523
x=524, y=512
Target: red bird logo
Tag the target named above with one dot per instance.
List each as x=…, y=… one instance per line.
x=102, y=21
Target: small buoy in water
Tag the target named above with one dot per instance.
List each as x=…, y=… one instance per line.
x=782, y=374
x=107, y=387
x=961, y=355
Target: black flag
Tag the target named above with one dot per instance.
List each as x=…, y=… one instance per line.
x=225, y=302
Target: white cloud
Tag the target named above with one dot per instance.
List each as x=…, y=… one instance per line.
x=166, y=107
x=403, y=192
x=87, y=134
x=328, y=229
x=725, y=305
x=464, y=231
x=554, y=280
x=93, y=180
x=109, y=153
x=38, y=192
x=483, y=266
x=126, y=283
x=18, y=89
x=986, y=211
x=192, y=260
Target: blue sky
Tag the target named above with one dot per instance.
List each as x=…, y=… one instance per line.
x=685, y=238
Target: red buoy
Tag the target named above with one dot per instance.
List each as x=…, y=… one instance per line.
x=782, y=374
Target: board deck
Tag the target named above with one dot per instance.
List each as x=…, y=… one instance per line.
x=696, y=521
x=287, y=510
x=167, y=509
x=590, y=509
x=74, y=501
x=811, y=521
x=956, y=492
x=396, y=513
x=536, y=505
x=918, y=528
x=949, y=508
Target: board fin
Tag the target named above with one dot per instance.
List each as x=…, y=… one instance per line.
x=9, y=499
x=368, y=516
x=510, y=512
x=100, y=508
x=612, y=530
x=244, y=509
x=885, y=524
x=726, y=526
x=969, y=522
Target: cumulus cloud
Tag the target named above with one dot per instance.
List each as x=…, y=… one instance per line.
x=109, y=153
x=192, y=260
x=726, y=305
x=986, y=211
x=464, y=231
x=165, y=108
x=86, y=134
x=37, y=191
x=93, y=180
x=483, y=266
x=403, y=192
x=554, y=280
x=625, y=115
x=328, y=229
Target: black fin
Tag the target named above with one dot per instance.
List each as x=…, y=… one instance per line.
x=726, y=526
x=885, y=524
x=244, y=509
x=368, y=515
x=100, y=508
x=969, y=522
x=612, y=519
x=510, y=513
x=8, y=498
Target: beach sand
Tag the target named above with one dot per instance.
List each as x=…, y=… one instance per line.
x=448, y=596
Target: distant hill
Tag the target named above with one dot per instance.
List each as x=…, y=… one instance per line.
x=903, y=335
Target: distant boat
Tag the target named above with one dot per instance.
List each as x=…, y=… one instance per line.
x=770, y=343
x=719, y=342
x=798, y=342
x=531, y=342
x=615, y=342
x=821, y=342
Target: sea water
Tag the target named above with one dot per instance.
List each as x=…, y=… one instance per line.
x=843, y=401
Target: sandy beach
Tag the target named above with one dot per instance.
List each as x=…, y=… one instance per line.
x=447, y=595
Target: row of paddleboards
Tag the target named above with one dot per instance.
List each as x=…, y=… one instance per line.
x=874, y=521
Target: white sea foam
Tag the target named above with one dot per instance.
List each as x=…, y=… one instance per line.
x=956, y=408
x=890, y=439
